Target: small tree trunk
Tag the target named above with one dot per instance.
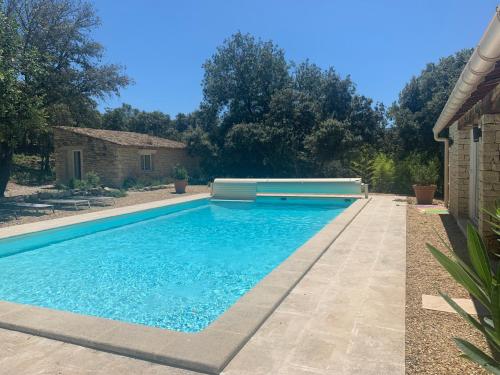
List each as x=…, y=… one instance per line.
x=45, y=153
x=6, y=154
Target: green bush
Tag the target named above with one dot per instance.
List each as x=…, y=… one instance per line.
x=144, y=181
x=482, y=283
x=116, y=193
x=403, y=180
x=364, y=166
x=90, y=181
x=384, y=171
x=129, y=182
x=425, y=173
x=180, y=173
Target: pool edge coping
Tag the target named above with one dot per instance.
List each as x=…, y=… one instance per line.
x=207, y=351
x=38, y=226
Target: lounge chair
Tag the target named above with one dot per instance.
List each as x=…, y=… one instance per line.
x=100, y=200
x=7, y=212
x=75, y=203
x=20, y=206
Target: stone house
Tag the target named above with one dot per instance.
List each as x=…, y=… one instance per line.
x=472, y=145
x=115, y=155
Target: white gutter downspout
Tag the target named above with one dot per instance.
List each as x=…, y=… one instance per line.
x=482, y=61
x=446, y=179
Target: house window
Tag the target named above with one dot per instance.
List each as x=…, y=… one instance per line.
x=146, y=162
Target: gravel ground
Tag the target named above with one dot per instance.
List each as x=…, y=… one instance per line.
x=130, y=199
x=429, y=345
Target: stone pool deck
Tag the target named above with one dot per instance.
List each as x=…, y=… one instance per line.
x=346, y=316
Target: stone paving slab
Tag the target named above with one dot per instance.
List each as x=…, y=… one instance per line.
x=438, y=303
x=346, y=316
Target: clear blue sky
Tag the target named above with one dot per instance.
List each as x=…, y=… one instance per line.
x=380, y=43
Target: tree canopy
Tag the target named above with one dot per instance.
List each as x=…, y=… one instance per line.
x=272, y=117
x=56, y=64
x=261, y=114
x=421, y=102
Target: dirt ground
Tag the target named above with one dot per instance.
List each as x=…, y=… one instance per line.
x=130, y=199
x=429, y=345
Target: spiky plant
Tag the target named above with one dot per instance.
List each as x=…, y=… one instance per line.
x=482, y=283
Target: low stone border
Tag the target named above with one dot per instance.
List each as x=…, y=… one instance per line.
x=207, y=351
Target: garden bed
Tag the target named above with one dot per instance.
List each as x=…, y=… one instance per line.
x=429, y=345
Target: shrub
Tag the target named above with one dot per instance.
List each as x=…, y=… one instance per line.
x=90, y=181
x=129, y=182
x=144, y=181
x=180, y=173
x=425, y=173
x=403, y=180
x=482, y=283
x=116, y=193
x=384, y=171
x=364, y=167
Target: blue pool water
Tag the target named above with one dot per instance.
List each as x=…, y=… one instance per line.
x=177, y=267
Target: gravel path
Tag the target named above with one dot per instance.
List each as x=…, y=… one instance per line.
x=130, y=199
x=429, y=345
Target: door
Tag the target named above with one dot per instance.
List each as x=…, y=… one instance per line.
x=474, y=180
x=77, y=165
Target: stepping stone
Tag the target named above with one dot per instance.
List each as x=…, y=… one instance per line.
x=438, y=303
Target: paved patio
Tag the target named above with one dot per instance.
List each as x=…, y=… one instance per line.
x=346, y=316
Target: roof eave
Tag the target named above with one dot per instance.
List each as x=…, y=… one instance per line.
x=482, y=61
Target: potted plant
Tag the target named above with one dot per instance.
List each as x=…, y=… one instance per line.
x=181, y=179
x=424, y=178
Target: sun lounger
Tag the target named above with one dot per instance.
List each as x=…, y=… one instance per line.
x=103, y=200
x=20, y=206
x=76, y=203
x=6, y=212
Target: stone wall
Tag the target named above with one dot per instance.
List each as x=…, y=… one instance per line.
x=163, y=161
x=489, y=174
x=97, y=156
x=113, y=163
x=459, y=171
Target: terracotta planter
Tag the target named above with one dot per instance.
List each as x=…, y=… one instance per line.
x=424, y=194
x=180, y=186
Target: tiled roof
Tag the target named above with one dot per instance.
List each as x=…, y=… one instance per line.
x=125, y=138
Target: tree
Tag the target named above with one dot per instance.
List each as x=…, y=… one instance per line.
x=153, y=123
x=241, y=77
x=70, y=75
x=328, y=141
x=248, y=150
x=19, y=110
x=119, y=118
x=331, y=93
x=367, y=122
x=292, y=116
x=201, y=146
x=421, y=102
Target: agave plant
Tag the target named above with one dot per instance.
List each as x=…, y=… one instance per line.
x=482, y=283
x=495, y=219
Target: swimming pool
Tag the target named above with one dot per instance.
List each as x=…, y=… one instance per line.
x=177, y=267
